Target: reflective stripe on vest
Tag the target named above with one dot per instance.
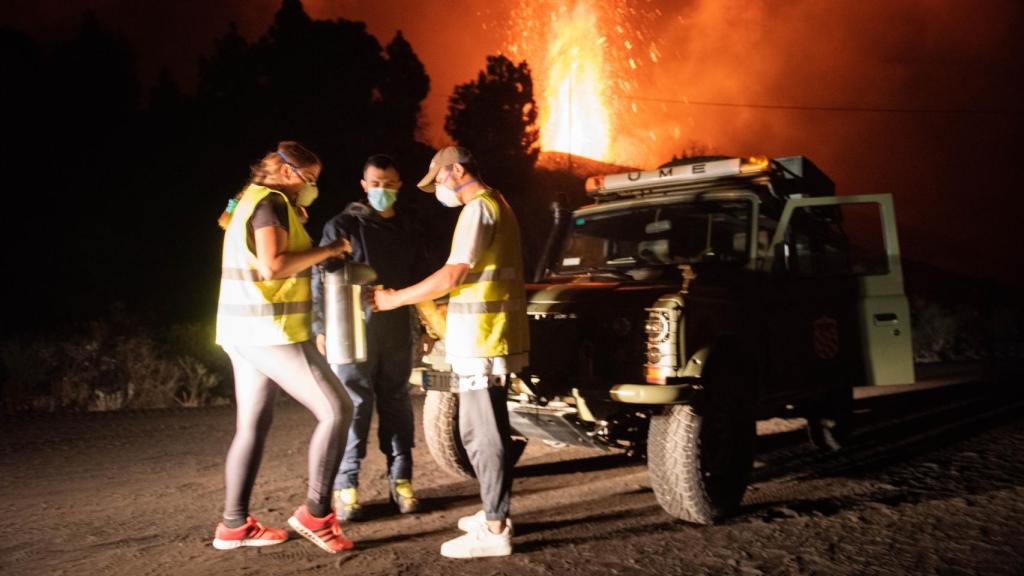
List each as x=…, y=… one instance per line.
x=252, y=274
x=490, y=275
x=485, y=307
x=274, y=309
x=256, y=312
x=487, y=311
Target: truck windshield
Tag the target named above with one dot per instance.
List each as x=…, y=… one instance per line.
x=694, y=232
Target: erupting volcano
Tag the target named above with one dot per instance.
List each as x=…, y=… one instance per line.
x=579, y=51
x=574, y=116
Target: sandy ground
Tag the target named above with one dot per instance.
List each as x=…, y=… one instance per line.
x=932, y=484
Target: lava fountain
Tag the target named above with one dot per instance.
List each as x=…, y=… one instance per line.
x=574, y=114
x=588, y=57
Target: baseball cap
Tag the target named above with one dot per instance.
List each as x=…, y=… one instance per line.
x=445, y=157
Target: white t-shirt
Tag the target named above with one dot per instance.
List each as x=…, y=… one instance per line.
x=472, y=236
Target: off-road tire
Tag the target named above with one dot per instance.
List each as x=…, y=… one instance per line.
x=441, y=429
x=700, y=455
x=680, y=454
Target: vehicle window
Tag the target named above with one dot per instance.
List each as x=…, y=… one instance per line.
x=837, y=240
x=659, y=235
x=862, y=224
x=765, y=227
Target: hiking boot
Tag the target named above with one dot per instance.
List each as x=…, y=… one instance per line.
x=402, y=496
x=470, y=523
x=324, y=532
x=479, y=543
x=346, y=505
x=252, y=533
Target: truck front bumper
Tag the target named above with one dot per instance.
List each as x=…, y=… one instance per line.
x=677, y=391
x=654, y=394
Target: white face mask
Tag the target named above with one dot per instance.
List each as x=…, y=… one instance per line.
x=447, y=196
x=307, y=194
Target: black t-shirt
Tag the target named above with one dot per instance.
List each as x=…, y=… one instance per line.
x=271, y=211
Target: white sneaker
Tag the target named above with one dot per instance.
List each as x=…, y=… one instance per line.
x=479, y=543
x=470, y=523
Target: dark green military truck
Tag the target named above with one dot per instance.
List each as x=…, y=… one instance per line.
x=685, y=303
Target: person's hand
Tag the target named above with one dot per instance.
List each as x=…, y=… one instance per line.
x=366, y=296
x=321, y=344
x=339, y=248
x=385, y=299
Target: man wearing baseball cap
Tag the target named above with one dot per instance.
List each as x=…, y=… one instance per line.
x=487, y=337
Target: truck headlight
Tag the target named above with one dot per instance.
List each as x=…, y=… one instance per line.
x=653, y=355
x=663, y=340
x=657, y=326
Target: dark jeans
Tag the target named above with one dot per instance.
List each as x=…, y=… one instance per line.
x=381, y=381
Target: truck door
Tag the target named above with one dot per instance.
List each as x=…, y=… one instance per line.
x=873, y=265
x=815, y=333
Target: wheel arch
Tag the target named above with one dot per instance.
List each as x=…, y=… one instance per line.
x=725, y=356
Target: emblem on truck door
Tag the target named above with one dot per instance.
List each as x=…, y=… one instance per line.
x=826, y=337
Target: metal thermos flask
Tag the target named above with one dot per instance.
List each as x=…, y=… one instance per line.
x=344, y=287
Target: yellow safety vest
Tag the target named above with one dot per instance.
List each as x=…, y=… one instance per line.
x=256, y=312
x=487, y=312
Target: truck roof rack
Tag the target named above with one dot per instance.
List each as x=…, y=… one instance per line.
x=787, y=176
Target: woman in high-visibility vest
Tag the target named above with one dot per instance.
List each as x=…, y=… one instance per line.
x=263, y=323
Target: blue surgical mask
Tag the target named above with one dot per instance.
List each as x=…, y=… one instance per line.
x=381, y=198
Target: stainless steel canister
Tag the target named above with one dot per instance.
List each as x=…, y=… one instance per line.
x=344, y=320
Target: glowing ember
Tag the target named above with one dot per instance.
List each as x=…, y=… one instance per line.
x=574, y=114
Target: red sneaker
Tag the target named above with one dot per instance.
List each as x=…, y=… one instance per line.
x=324, y=532
x=252, y=533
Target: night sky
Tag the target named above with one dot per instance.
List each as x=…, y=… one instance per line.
x=921, y=98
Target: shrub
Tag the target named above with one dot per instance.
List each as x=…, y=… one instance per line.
x=199, y=384
x=195, y=341
x=29, y=370
x=112, y=365
x=934, y=330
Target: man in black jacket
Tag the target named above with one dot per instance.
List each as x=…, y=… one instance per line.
x=382, y=239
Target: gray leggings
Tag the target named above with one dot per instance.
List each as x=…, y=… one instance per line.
x=303, y=374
